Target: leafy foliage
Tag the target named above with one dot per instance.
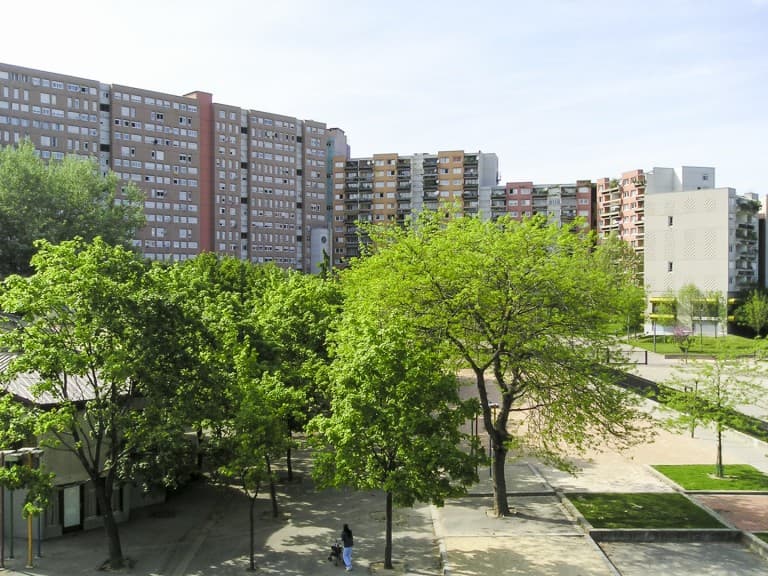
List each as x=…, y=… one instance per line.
x=396, y=414
x=17, y=423
x=529, y=308
x=708, y=392
x=754, y=312
x=59, y=201
x=115, y=356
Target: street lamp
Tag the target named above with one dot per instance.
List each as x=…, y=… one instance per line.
x=33, y=459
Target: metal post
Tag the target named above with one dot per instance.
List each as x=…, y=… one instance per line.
x=693, y=407
x=10, y=522
x=477, y=435
x=29, y=542
x=30, y=563
x=40, y=535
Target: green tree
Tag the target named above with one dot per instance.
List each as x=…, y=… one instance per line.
x=691, y=306
x=59, y=201
x=630, y=296
x=396, y=414
x=712, y=392
x=17, y=430
x=294, y=314
x=754, y=312
x=256, y=435
x=530, y=309
x=106, y=345
x=223, y=294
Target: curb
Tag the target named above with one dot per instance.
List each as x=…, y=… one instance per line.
x=437, y=529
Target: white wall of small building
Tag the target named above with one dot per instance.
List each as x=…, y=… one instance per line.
x=694, y=243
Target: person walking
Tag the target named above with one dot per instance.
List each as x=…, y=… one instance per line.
x=347, y=541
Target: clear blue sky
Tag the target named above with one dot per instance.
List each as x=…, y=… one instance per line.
x=559, y=89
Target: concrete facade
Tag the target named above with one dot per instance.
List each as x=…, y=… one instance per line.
x=389, y=188
x=560, y=203
x=215, y=177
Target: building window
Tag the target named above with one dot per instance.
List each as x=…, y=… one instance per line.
x=669, y=266
x=669, y=220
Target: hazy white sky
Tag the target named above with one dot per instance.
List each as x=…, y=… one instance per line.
x=559, y=89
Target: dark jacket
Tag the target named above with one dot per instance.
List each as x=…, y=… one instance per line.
x=346, y=538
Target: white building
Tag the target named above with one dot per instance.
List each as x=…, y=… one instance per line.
x=697, y=234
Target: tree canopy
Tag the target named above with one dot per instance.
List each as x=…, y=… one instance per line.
x=396, y=413
x=115, y=357
x=712, y=392
x=530, y=308
x=58, y=201
x=754, y=312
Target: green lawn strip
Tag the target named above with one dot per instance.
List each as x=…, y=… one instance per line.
x=730, y=344
x=762, y=535
x=642, y=510
x=660, y=393
x=702, y=477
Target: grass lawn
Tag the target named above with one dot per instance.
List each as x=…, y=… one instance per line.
x=702, y=477
x=642, y=510
x=731, y=345
x=762, y=535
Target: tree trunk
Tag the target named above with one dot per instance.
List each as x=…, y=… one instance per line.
x=388, y=536
x=272, y=490
x=719, y=466
x=251, y=524
x=500, y=504
x=289, y=464
x=199, y=456
x=104, y=498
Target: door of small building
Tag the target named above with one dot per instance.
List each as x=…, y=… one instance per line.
x=72, y=508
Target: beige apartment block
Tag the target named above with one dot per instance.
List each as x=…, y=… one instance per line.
x=235, y=181
x=59, y=114
x=390, y=188
x=155, y=144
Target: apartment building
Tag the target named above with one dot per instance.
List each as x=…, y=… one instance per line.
x=621, y=202
x=216, y=177
x=390, y=188
x=560, y=203
x=704, y=237
x=688, y=232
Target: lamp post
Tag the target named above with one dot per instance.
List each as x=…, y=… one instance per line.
x=33, y=458
x=693, y=407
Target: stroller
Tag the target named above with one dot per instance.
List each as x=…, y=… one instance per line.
x=335, y=555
